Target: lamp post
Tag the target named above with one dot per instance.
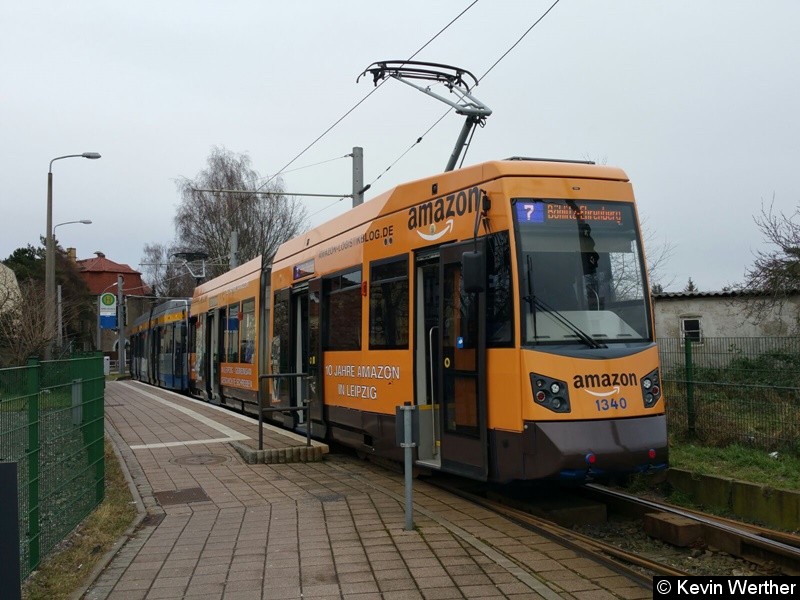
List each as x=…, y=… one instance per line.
x=59, y=339
x=50, y=263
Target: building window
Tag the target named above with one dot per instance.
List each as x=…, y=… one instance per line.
x=690, y=329
x=388, y=305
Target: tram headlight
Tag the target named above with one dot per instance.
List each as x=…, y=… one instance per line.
x=651, y=389
x=550, y=393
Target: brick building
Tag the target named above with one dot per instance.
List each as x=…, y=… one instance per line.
x=100, y=275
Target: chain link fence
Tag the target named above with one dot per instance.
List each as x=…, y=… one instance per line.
x=726, y=390
x=51, y=425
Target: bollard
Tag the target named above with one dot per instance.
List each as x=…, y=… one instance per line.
x=408, y=444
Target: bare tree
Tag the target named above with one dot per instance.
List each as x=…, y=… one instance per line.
x=21, y=331
x=164, y=273
x=206, y=219
x=658, y=255
x=775, y=273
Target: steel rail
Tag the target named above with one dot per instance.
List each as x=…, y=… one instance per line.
x=750, y=542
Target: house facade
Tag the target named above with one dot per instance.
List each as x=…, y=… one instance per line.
x=722, y=314
x=101, y=276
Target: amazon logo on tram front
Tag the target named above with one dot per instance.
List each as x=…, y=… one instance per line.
x=427, y=217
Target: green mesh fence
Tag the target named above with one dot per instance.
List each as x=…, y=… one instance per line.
x=51, y=425
x=725, y=390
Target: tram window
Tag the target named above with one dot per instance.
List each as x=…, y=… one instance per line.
x=248, y=342
x=388, y=305
x=232, y=334
x=342, y=311
x=499, y=297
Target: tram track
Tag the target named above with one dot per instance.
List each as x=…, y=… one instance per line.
x=759, y=545
x=769, y=551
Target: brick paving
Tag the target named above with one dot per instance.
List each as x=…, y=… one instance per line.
x=319, y=530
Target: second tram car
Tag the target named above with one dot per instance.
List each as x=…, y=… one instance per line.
x=226, y=320
x=159, y=343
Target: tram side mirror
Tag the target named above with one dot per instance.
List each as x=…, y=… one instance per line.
x=473, y=272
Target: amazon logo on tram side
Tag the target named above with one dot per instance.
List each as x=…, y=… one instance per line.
x=436, y=218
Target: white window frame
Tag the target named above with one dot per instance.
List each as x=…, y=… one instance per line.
x=698, y=332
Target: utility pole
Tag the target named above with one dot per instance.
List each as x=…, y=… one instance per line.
x=358, y=176
x=59, y=338
x=232, y=260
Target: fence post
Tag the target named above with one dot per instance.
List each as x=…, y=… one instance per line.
x=93, y=397
x=32, y=392
x=690, y=416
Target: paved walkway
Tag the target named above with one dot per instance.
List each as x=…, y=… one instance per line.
x=215, y=527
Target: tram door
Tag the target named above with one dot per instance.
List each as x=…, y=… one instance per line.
x=426, y=357
x=299, y=351
x=213, y=356
x=462, y=369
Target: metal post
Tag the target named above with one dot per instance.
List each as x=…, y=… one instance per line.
x=32, y=391
x=307, y=402
x=260, y=417
x=408, y=445
x=690, y=417
x=120, y=329
x=59, y=336
x=234, y=249
x=99, y=331
x=50, y=270
x=358, y=176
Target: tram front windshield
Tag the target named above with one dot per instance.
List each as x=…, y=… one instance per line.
x=582, y=273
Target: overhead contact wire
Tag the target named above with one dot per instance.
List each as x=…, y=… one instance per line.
x=375, y=89
x=447, y=112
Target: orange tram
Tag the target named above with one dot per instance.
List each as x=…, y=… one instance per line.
x=508, y=301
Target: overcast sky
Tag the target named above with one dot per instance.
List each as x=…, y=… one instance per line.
x=697, y=101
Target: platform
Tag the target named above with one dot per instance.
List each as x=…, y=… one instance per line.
x=214, y=527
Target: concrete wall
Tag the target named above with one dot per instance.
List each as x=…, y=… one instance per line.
x=724, y=317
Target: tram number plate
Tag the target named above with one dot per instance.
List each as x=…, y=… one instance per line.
x=604, y=404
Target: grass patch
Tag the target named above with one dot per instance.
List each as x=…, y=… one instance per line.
x=60, y=575
x=738, y=462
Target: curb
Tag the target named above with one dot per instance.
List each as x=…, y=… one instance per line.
x=751, y=501
x=273, y=456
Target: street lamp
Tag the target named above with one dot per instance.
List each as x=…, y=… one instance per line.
x=83, y=221
x=50, y=263
x=59, y=338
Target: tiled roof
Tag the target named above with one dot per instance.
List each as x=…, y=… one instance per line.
x=722, y=294
x=101, y=264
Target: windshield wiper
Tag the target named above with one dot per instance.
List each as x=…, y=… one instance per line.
x=580, y=333
x=535, y=302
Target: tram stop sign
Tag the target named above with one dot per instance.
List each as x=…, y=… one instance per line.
x=108, y=311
